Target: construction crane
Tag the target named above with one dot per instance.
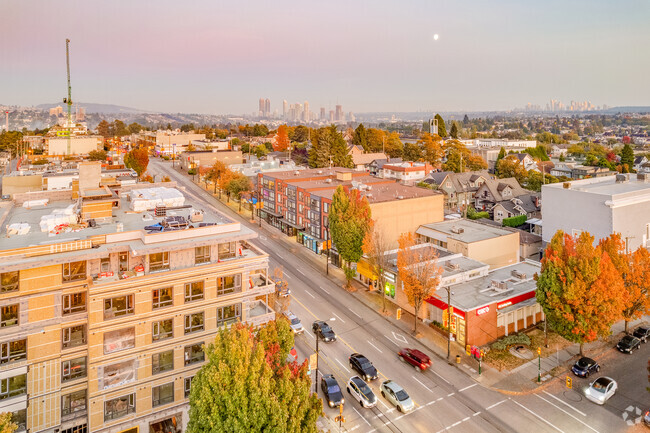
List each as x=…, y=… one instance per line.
x=68, y=100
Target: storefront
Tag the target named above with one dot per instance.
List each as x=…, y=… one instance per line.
x=271, y=218
x=167, y=425
x=315, y=244
x=289, y=228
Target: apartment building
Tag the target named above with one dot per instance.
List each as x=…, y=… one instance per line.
x=106, y=302
x=407, y=172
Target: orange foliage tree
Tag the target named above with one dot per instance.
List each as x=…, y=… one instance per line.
x=579, y=288
x=281, y=139
x=418, y=271
x=432, y=151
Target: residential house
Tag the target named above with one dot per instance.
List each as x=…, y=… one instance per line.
x=493, y=191
x=458, y=188
x=406, y=172
x=639, y=160
x=362, y=161
x=527, y=161
x=525, y=204
x=375, y=167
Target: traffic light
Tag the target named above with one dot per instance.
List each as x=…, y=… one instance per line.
x=569, y=382
x=398, y=313
x=539, y=351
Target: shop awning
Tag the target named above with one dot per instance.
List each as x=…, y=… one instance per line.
x=290, y=224
x=277, y=215
x=365, y=269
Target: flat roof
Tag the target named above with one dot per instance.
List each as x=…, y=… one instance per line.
x=607, y=186
x=333, y=183
x=315, y=172
x=385, y=192
x=472, y=231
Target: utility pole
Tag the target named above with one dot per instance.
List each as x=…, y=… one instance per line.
x=316, y=381
x=7, y=121
x=627, y=239
x=448, y=324
x=68, y=100
x=259, y=198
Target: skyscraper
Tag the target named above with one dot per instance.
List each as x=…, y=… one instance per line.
x=261, y=108
x=285, y=108
x=322, y=113
x=339, y=116
x=306, y=112
x=267, y=107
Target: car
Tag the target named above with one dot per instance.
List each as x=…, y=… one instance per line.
x=601, y=389
x=642, y=333
x=628, y=344
x=331, y=391
x=395, y=394
x=584, y=367
x=294, y=322
x=360, y=390
x=363, y=366
x=323, y=331
x=646, y=417
x=414, y=357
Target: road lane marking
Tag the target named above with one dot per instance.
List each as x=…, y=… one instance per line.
x=307, y=291
x=440, y=376
x=477, y=413
x=465, y=419
x=467, y=387
x=378, y=349
x=337, y=316
x=324, y=289
x=439, y=398
x=353, y=312
x=558, y=407
x=355, y=427
x=495, y=404
x=359, y=413
x=303, y=306
x=449, y=395
x=341, y=364
x=392, y=341
x=301, y=273
x=416, y=379
x=431, y=402
x=562, y=401
x=400, y=337
x=535, y=415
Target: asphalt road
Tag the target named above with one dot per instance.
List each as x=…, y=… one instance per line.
x=446, y=398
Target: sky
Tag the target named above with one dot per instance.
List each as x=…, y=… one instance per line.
x=217, y=57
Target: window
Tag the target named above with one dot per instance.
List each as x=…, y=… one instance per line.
x=227, y=251
x=73, y=369
x=162, y=297
x=73, y=402
x=193, y=323
x=121, y=339
x=163, y=361
x=8, y=281
x=119, y=306
x=119, y=407
x=9, y=315
x=13, y=386
x=158, y=261
x=326, y=207
x=188, y=386
x=83, y=428
x=73, y=336
x=300, y=208
x=162, y=330
x=74, y=303
x=228, y=284
x=202, y=254
x=228, y=315
x=162, y=394
x=13, y=351
x=193, y=291
x=74, y=271
x=194, y=354
x=116, y=374
x=105, y=264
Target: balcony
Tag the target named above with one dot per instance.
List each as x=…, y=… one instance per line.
x=258, y=313
x=260, y=285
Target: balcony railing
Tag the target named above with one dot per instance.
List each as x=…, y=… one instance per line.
x=258, y=313
x=259, y=284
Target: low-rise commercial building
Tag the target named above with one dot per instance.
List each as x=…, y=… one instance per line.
x=207, y=158
x=407, y=172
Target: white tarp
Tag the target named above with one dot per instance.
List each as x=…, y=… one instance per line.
x=148, y=198
x=18, y=229
x=67, y=215
x=31, y=203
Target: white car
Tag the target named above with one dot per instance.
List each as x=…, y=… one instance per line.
x=601, y=390
x=294, y=322
x=397, y=396
x=361, y=392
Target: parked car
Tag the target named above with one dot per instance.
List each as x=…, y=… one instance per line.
x=646, y=418
x=331, y=391
x=601, y=389
x=416, y=358
x=397, y=396
x=628, y=344
x=361, y=392
x=323, y=331
x=584, y=367
x=642, y=333
x=363, y=366
x=294, y=322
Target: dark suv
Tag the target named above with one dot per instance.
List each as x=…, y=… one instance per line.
x=628, y=344
x=642, y=333
x=416, y=358
x=331, y=391
x=363, y=366
x=323, y=331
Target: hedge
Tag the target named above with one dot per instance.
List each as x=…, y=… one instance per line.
x=515, y=221
x=511, y=340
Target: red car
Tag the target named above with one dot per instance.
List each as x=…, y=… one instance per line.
x=416, y=358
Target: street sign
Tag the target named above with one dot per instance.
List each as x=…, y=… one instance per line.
x=468, y=350
x=569, y=382
x=398, y=313
x=312, y=361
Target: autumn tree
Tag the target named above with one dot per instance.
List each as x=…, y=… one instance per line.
x=215, y=173
x=281, y=139
x=6, y=423
x=432, y=151
x=442, y=129
x=247, y=385
x=418, y=271
x=359, y=137
x=375, y=247
x=138, y=160
x=510, y=166
x=349, y=221
x=580, y=290
x=376, y=140
x=237, y=185
x=394, y=146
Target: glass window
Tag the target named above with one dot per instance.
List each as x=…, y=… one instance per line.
x=8, y=281
x=13, y=386
x=193, y=291
x=9, y=315
x=73, y=369
x=121, y=339
x=228, y=315
x=73, y=336
x=228, y=284
x=163, y=361
x=202, y=254
x=117, y=374
x=119, y=306
x=194, y=354
x=13, y=351
x=188, y=385
x=105, y=264
x=227, y=250
x=119, y=407
x=162, y=330
x=326, y=207
x=159, y=261
x=73, y=402
x=74, y=303
x=74, y=271
x=162, y=394
x=162, y=297
x=193, y=323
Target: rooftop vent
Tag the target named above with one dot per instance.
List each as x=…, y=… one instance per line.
x=499, y=286
x=566, y=185
x=400, y=197
x=518, y=274
x=621, y=178
x=452, y=266
x=643, y=177
x=328, y=180
x=457, y=230
x=296, y=173
x=320, y=171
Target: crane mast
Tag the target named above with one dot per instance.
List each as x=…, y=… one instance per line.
x=68, y=100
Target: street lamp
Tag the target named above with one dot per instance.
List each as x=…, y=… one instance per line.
x=174, y=155
x=449, y=293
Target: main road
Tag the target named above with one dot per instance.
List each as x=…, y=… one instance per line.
x=446, y=398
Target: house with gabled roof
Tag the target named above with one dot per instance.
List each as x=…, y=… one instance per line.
x=458, y=188
x=494, y=191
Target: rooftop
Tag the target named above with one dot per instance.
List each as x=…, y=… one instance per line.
x=462, y=230
x=631, y=187
x=385, y=192
x=311, y=172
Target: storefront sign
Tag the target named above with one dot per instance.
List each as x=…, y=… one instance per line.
x=389, y=276
x=483, y=310
x=503, y=305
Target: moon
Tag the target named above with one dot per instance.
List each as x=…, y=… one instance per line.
x=435, y=37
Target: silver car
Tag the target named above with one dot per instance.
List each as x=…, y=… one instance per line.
x=601, y=389
x=294, y=322
x=397, y=396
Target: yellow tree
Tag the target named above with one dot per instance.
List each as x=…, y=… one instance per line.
x=281, y=139
x=6, y=424
x=375, y=248
x=432, y=150
x=418, y=271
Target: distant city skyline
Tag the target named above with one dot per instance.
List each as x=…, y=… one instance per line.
x=376, y=57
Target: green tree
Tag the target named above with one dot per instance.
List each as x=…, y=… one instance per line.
x=237, y=185
x=442, y=129
x=328, y=146
x=103, y=129
x=247, y=385
x=138, y=160
x=534, y=180
x=500, y=156
x=260, y=130
x=188, y=127
x=394, y=146
x=97, y=155
x=300, y=134
x=9, y=141
x=6, y=423
x=135, y=127
x=350, y=220
x=454, y=130
x=412, y=152
x=627, y=156
x=119, y=128
x=359, y=138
